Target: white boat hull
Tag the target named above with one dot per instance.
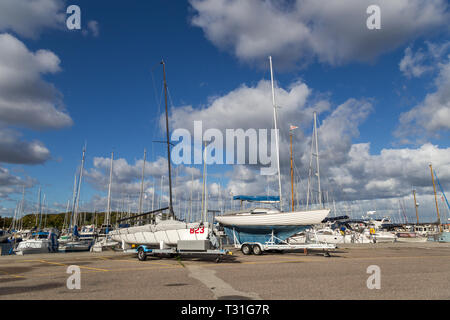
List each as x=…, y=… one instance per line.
x=33, y=246
x=295, y=218
x=149, y=235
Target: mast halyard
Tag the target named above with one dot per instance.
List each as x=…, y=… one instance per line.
x=168, y=142
x=276, y=133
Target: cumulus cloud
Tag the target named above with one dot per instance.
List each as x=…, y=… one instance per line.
x=349, y=171
x=424, y=60
x=17, y=151
x=294, y=32
x=432, y=115
x=26, y=100
x=29, y=17
x=413, y=64
x=11, y=184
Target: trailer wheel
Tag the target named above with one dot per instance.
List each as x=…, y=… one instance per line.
x=141, y=254
x=246, y=249
x=257, y=249
x=218, y=259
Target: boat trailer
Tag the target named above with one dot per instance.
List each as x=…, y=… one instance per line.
x=258, y=248
x=184, y=248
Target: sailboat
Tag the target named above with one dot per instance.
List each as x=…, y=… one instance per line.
x=162, y=232
x=262, y=224
x=103, y=240
x=75, y=240
x=40, y=241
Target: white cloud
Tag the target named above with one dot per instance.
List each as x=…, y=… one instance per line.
x=29, y=17
x=432, y=115
x=27, y=100
x=92, y=28
x=412, y=64
x=11, y=184
x=294, y=32
x=15, y=150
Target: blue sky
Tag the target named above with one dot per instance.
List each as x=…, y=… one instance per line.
x=107, y=88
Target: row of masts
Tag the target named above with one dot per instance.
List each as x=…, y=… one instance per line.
x=314, y=147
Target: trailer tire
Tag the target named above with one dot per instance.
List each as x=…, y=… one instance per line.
x=257, y=249
x=141, y=254
x=246, y=249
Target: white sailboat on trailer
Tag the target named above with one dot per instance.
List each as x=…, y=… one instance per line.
x=162, y=232
x=263, y=225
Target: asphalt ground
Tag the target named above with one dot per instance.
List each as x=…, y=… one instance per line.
x=406, y=271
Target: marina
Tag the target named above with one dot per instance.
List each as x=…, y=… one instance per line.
x=117, y=275
x=224, y=150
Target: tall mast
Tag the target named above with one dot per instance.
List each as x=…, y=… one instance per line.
x=205, y=189
x=153, y=194
x=142, y=183
x=40, y=208
x=108, y=210
x=416, y=206
x=190, y=199
x=74, y=198
x=435, y=196
x=317, y=158
x=292, y=173
x=276, y=133
x=168, y=142
x=79, y=186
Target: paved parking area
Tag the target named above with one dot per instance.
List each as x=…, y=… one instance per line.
x=406, y=272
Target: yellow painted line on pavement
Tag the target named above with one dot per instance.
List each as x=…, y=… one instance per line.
x=11, y=275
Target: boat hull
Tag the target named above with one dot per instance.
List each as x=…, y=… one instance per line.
x=35, y=246
x=261, y=234
x=296, y=218
x=251, y=227
x=150, y=236
x=76, y=246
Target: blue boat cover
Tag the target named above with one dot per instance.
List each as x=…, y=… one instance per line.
x=258, y=198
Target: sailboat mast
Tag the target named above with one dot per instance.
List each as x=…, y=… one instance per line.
x=40, y=208
x=205, y=189
x=416, y=206
x=108, y=210
x=190, y=199
x=142, y=183
x=276, y=133
x=292, y=173
x=79, y=186
x=435, y=196
x=317, y=158
x=168, y=142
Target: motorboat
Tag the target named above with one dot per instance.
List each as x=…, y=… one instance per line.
x=39, y=242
